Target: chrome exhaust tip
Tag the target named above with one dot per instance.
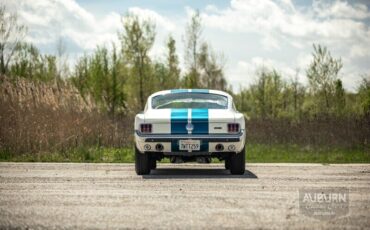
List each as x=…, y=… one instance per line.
x=159, y=147
x=219, y=147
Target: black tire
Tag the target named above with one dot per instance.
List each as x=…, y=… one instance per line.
x=153, y=163
x=142, y=162
x=227, y=163
x=237, y=163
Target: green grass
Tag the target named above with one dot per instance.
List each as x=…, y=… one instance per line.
x=298, y=154
x=256, y=153
x=91, y=155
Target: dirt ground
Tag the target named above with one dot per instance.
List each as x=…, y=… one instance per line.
x=197, y=196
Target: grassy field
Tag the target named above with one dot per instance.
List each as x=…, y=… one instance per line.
x=297, y=154
x=255, y=153
x=49, y=122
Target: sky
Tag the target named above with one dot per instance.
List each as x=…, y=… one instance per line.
x=248, y=34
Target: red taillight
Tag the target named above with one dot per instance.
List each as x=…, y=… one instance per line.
x=233, y=128
x=146, y=128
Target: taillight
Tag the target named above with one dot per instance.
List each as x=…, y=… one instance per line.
x=146, y=128
x=233, y=128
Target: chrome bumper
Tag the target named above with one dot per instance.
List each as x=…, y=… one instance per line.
x=208, y=137
x=169, y=141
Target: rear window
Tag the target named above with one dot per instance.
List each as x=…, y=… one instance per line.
x=189, y=100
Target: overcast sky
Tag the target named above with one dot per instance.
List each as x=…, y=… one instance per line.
x=248, y=33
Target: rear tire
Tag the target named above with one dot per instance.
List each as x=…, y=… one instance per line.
x=227, y=163
x=153, y=163
x=142, y=162
x=237, y=163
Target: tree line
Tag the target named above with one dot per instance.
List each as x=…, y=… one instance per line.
x=121, y=76
x=273, y=97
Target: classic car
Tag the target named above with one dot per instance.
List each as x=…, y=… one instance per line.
x=189, y=125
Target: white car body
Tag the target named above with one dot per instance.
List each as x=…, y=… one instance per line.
x=209, y=126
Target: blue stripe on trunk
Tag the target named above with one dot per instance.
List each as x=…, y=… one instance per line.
x=199, y=118
x=179, y=119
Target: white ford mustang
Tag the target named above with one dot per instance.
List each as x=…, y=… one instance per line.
x=189, y=125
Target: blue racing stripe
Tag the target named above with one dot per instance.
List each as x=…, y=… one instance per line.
x=199, y=90
x=204, y=146
x=179, y=90
x=179, y=119
x=199, y=118
x=175, y=146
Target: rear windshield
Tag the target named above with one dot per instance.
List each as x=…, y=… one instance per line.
x=189, y=101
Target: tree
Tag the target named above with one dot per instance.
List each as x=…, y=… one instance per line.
x=62, y=60
x=161, y=74
x=11, y=35
x=192, y=41
x=172, y=64
x=266, y=93
x=339, y=98
x=29, y=63
x=243, y=101
x=212, y=75
x=102, y=76
x=137, y=39
x=80, y=77
x=113, y=91
x=364, y=96
x=322, y=75
x=293, y=97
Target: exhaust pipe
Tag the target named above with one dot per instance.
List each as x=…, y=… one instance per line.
x=159, y=147
x=176, y=160
x=204, y=160
x=219, y=147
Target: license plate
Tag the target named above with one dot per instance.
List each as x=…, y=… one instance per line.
x=190, y=145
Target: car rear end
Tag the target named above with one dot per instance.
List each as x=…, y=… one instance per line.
x=204, y=127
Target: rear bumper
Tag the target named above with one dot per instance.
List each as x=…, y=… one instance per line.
x=235, y=142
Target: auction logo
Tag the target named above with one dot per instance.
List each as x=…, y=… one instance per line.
x=324, y=203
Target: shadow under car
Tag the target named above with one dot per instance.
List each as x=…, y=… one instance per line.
x=195, y=173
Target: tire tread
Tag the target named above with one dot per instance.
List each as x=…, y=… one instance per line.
x=142, y=163
x=237, y=163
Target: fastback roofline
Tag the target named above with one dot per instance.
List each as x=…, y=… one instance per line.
x=206, y=91
x=212, y=91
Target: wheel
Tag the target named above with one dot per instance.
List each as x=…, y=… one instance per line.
x=237, y=163
x=153, y=163
x=227, y=163
x=142, y=162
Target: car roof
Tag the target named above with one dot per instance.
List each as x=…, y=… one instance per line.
x=210, y=91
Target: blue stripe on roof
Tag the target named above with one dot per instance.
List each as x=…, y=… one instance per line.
x=199, y=90
x=179, y=90
x=190, y=90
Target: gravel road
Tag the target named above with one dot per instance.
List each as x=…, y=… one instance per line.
x=68, y=195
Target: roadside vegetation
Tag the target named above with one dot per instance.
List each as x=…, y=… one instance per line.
x=52, y=112
x=255, y=153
